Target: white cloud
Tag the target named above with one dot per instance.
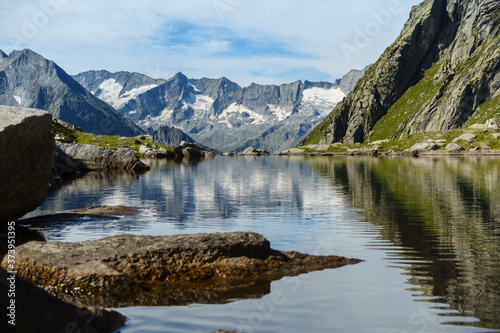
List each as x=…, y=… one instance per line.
x=131, y=35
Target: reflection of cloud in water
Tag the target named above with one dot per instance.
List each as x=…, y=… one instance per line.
x=214, y=192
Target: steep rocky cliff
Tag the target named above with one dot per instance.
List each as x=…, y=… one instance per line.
x=441, y=73
x=29, y=80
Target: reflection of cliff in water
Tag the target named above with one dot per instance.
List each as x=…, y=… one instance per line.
x=444, y=213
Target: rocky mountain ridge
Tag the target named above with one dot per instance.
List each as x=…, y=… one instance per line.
x=29, y=80
x=442, y=73
x=218, y=112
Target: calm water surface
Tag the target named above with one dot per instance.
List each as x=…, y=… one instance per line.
x=428, y=230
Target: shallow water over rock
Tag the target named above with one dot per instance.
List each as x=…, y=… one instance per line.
x=428, y=230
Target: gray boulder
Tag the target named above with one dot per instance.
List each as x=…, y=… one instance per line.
x=453, y=147
x=145, y=149
x=423, y=146
x=145, y=137
x=253, y=151
x=60, y=138
x=90, y=157
x=493, y=125
x=467, y=137
x=26, y=157
x=191, y=152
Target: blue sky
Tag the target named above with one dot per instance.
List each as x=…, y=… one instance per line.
x=262, y=41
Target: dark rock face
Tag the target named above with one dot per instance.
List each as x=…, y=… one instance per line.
x=26, y=157
x=434, y=77
x=128, y=270
x=29, y=80
x=169, y=136
x=72, y=157
x=37, y=311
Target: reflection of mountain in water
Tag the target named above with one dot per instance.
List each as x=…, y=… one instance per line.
x=213, y=191
x=444, y=213
x=222, y=187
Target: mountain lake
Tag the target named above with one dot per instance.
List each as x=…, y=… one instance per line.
x=428, y=230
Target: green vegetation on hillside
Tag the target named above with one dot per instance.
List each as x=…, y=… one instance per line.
x=106, y=141
x=411, y=101
x=401, y=144
x=487, y=110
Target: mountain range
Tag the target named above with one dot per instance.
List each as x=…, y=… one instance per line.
x=29, y=80
x=216, y=113
x=219, y=113
x=441, y=73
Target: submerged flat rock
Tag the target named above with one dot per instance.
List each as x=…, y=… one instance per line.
x=164, y=270
x=97, y=212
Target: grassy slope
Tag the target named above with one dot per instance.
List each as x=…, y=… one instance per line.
x=487, y=110
x=399, y=145
x=107, y=141
x=410, y=103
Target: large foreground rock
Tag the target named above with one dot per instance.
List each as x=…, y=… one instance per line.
x=26, y=157
x=71, y=157
x=167, y=270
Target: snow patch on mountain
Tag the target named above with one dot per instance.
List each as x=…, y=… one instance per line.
x=110, y=91
x=241, y=113
x=201, y=102
x=280, y=114
x=194, y=88
x=18, y=99
x=321, y=96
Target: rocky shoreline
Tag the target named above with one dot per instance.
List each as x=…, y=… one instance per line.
x=362, y=152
